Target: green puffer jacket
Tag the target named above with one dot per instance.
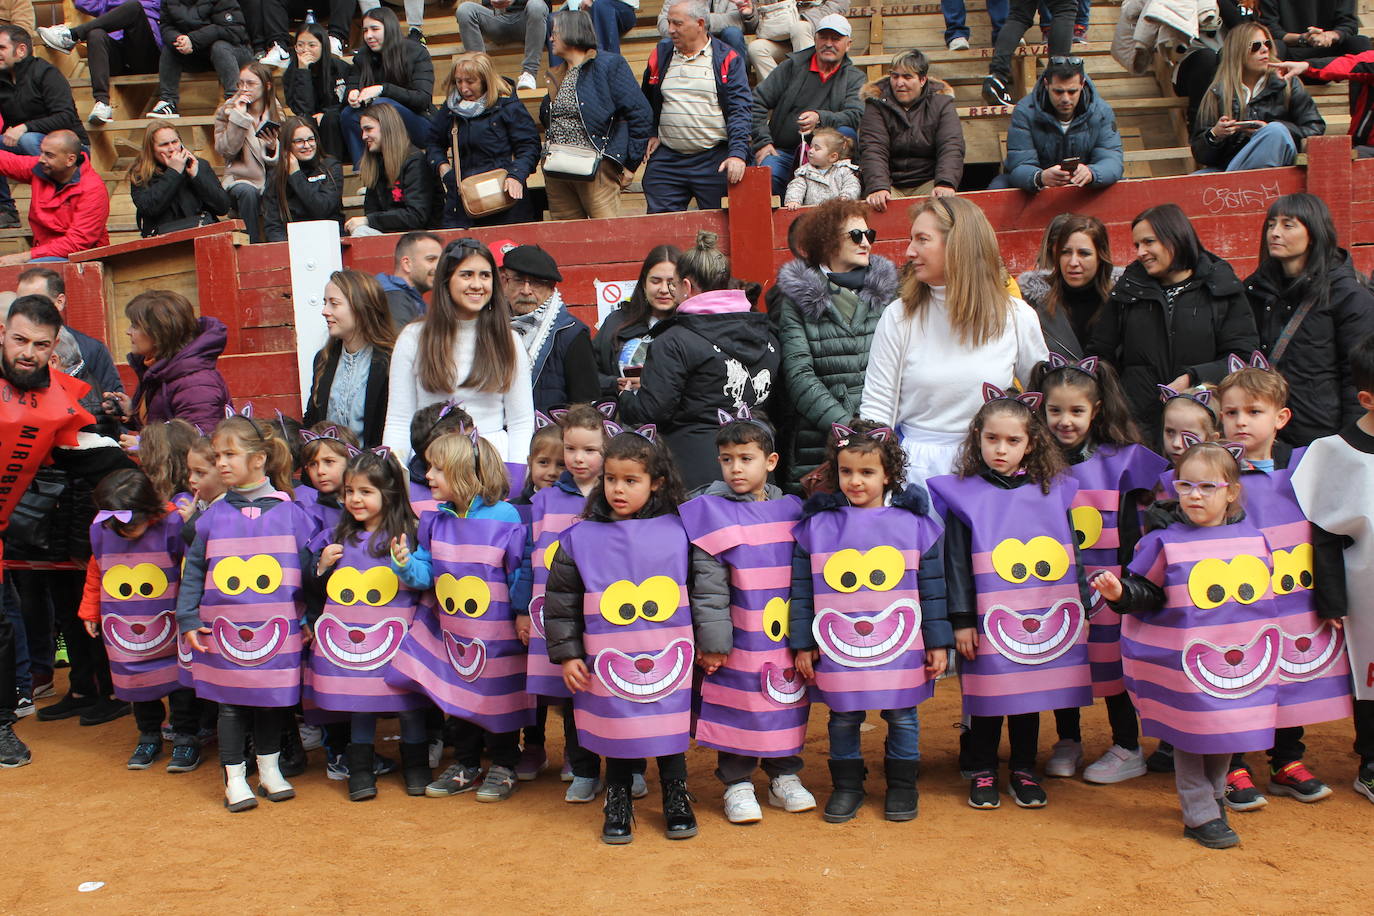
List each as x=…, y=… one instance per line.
x=823, y=356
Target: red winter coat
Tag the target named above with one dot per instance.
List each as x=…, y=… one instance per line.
x=64, y=219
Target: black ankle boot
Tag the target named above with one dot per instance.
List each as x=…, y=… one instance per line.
x=900, y=803
x=677, y=809
x=415, y=767
x=848, y=795
x=292, y=760
x=618, y=828
x=362, y=782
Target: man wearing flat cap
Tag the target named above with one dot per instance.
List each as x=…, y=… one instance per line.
x=559, y=347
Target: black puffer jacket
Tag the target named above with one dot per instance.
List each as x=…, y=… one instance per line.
x=1211, y=319
x=314, y=192
x=698, y=364
x=1317, y=360
x=204, y=22
x=417, y=93
x=1288, y=103
x=36, y=94
x=410, y=202
x=172, y=200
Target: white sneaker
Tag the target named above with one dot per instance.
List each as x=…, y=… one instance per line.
x=526, y=81
x=583, y=789
x=1066, y=759
x=788, y=793
x=1117, y=765
x=741, y=807
x=335, y=46
x=57, y=37
x=101, y=113
x=276, y=56
x=958, y=44
x=312, y=737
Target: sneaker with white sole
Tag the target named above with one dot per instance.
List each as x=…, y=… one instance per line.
x=741, y=807
x=1364, y=781
x=498, y=786
x=58, y=37
x=788, y=793
x=13, y=752
x=101, y=113
x=995, y=92
x=1241, y=794
x=582, y=790
x=526, y=81
x=958, y=44
x=1296, y=781
x=1065, y=759
x=276, y=57
x=312, y=737
x=164, y=110
x=456, y=780
x=638, y=787
x=566, y=774
x=1117, y=765
x=24, y=707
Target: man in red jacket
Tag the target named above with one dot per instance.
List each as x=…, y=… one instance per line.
x=69, y=206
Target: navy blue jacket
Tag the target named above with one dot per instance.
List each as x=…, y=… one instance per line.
x=100, y=367
x=614, y=111
x=565, y=373
x=732, y=90
x=503, y=137
x=1035, y=142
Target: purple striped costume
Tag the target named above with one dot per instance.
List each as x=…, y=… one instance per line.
x=462, y=649
x=252, y=604
x=1106, y=477
x=366, y=616
x=138, y=596
x=638, y=636
x=422, y=498
x=1314, y=670
x=868, y=608
x=326, y=518
x=553, y=512
x=756, y=703
x=1032, y=626
x=1203, y=670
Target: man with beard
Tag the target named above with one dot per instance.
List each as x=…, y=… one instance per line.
x=559, y=347
x=40, y=417
x=417, y=254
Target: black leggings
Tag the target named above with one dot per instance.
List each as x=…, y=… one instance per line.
x=184, y=711
x=235, y=722
x=1120, y=715
x=468, y=739
x=136, y=52
x=985, y=735
x=620, y=771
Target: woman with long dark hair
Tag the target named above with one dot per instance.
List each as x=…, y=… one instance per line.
x=306, y=184
x=715, y=353
x=398, y=187
x=311, y=86
x=463, y=349
x=1071, y=284
x=171, y=187
x=622, y=341
x=350, y=382
x=1177, y=312
x=482, y=126
x=388, y=70
x=1311, y=309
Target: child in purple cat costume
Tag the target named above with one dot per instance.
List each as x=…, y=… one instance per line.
x=1017, y=600
x=868, y=628
x=428, y=424
x=240, y=605
x=1087, y=412
x=617, y=619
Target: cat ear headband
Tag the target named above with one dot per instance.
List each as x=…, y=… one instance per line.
x=246, y=413
x=123, y=516
x=647, y=431
x=543, y=420
x=744, y=415
x=1087, y=365
x=844, y=435
x=1203, y=397
x=1257, y=361
x=330, y=432
x=1029, y=399
x=1234, y=449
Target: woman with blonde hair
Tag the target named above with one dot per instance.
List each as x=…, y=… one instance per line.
x=1250, y=117
x=482, y=126
x=953, y=327
x=171, y=187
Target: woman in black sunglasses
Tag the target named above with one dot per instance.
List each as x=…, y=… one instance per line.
x=829, y=301
x=1251, y=118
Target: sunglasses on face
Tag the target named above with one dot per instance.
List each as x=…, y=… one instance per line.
x=1204, y=488
x=1256, y=45
x=857, y=236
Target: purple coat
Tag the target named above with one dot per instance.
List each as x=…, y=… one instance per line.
x=151, y=8
x=185, y=386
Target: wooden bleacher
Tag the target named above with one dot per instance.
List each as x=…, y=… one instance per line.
x=1149, y=114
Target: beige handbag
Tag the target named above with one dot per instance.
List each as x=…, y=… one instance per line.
x=483, y=194
x=571, y=163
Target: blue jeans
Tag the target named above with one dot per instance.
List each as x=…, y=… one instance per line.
x=672, y=179
x=956, y=23
x=734, y=37
x=417, y=126
x=1269, y=147
x=28, y=145
x=363, y=727
x=903, y=734
x=783, y=164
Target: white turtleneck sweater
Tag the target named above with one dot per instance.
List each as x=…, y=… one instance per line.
x=922, y=377
x=505, y=419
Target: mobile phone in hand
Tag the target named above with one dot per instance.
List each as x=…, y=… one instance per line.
x=1070, y=164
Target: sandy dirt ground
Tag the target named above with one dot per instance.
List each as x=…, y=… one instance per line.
x=164, y=844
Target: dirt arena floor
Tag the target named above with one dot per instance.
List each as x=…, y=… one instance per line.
x=164, y=844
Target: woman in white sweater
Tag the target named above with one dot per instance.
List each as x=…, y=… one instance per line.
x=953, y=328
x=463, y=349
